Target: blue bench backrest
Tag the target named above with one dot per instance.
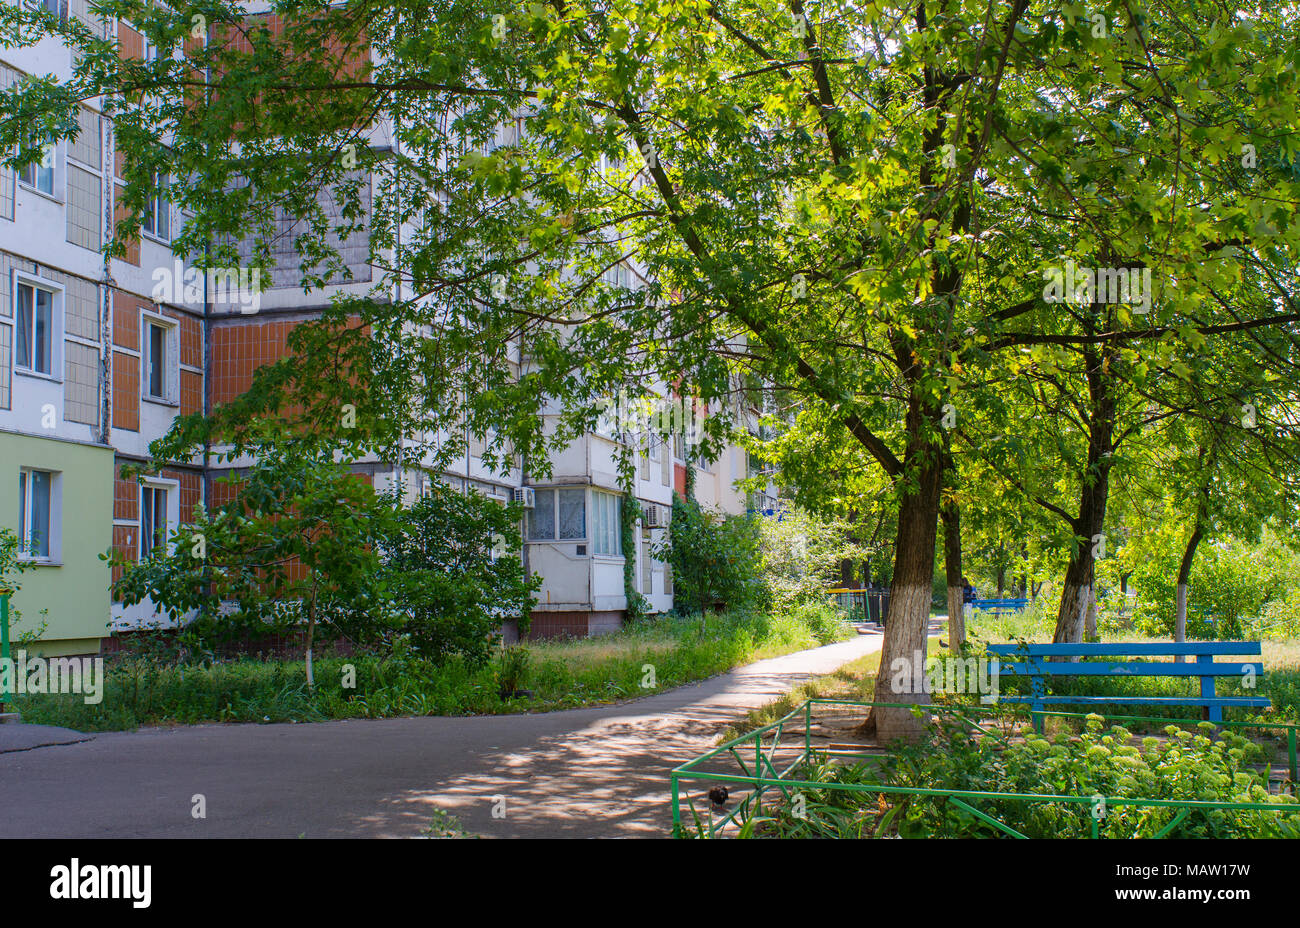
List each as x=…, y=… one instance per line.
x=1138, y=649
x=1032, y=663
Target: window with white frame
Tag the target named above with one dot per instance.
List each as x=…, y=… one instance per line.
x=39, y=175
x=571, y=513
x=157, y=211
x=36, y=318
x=559, y=514
x=153, y=519
x=618, y=275
x=36, y=499
x=606, y=530
x=158, y=359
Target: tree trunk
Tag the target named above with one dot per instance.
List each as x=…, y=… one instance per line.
x=908, y=618
x=1184, y=574
x=951, y=516
x=1093, y=495
x=1002, y=577
x=1198, y=532
x=1074, y=597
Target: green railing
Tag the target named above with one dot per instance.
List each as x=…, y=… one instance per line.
x=761, y=770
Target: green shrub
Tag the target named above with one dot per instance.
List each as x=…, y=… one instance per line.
x=801, y=556
x=452, y=573
x=715, y=559
x=512, y=669
x=1103, y=761
x=824, y=621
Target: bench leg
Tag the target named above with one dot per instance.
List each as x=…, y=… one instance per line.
x=1212, y=713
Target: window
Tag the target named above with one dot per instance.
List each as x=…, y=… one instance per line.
x=57, y=8
x=160, y=350
x=564, y=509
x=40, y=175
x=619, y=275
x=155, y=361
x=541, y=518
x=607, y=535
x=35, y=494
x=647, y=580
x=153, y=519
x=35, y=334
x=571, y=508
x=157, y=212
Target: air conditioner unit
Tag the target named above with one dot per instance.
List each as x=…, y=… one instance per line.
x=526, y=496
x=651, y=516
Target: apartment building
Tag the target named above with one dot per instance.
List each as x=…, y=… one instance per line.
x=93, y=367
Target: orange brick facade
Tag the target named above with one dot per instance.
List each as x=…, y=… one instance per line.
x=239, y=348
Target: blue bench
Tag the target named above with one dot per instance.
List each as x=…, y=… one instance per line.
x=1034, y=664
x=998, y=606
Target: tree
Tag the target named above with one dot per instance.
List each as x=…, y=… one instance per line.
x=296, y=543
x=800, y=554
x=1226, y=464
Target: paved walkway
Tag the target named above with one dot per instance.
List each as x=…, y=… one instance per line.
x=600, y=772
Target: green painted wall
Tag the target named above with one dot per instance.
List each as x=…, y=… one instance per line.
x=75, y=591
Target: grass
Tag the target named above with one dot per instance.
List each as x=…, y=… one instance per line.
x=651, y=657
x=856, y=682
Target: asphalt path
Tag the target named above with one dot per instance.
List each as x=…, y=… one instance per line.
x=597, y=772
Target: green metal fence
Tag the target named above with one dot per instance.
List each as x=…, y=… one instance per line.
x=762, y=770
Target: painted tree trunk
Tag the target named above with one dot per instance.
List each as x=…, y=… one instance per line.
x=1184, y=575
x=951, y=516
x=907, y=621
x=1071, y=617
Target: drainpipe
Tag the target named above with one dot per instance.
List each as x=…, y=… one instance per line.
x=105, y=288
